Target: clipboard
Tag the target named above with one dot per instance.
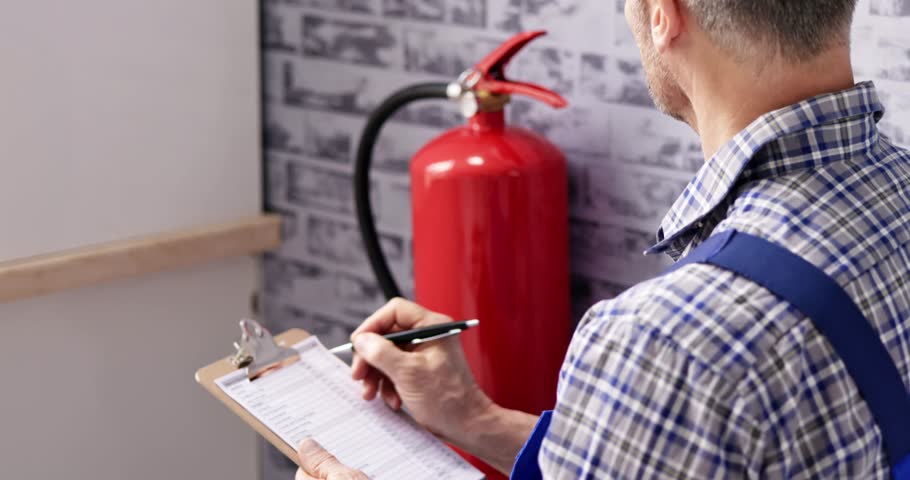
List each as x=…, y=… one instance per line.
x=257, y=352
x=374, y=435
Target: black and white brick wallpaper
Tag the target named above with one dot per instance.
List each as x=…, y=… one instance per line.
x=328, y=62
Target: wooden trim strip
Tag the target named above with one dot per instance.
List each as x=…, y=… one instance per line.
x=39, y=275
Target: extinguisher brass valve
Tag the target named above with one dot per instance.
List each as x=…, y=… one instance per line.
x=492, y=102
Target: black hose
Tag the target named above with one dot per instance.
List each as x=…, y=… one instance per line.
x=421, y=91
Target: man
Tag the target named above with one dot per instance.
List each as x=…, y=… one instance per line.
x=701, y=373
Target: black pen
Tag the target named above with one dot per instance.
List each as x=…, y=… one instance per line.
x=419, y=335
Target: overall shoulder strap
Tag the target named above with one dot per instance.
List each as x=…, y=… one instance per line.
x=834, y=314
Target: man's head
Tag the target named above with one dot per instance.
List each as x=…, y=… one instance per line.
x=748, y=33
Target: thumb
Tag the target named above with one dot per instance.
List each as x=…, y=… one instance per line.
x=316, y=462
x=380, y=353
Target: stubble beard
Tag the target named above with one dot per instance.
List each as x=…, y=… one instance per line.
x=662, y=85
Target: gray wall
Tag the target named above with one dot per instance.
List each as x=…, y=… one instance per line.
x=329, y=61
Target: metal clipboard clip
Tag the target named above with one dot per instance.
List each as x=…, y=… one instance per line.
x=257, y=351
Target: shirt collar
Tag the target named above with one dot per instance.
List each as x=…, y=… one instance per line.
x=718, y=176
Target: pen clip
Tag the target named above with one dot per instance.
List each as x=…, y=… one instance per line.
x=418, y=341
x=257, y=351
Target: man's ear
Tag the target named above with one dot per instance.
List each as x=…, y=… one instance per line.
x=666, y=22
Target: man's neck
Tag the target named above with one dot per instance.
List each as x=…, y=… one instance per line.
x=726, y=97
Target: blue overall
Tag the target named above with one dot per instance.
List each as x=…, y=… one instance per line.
x=835, y=316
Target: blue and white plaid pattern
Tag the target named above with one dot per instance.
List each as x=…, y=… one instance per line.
x=701, y=374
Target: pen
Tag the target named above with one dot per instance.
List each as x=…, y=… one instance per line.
x=419, y=335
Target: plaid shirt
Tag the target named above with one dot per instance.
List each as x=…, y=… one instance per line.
x=703, y=374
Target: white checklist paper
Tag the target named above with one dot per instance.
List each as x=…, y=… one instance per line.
x=316, y=397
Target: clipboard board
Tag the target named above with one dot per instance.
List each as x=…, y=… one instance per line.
x=256, y=343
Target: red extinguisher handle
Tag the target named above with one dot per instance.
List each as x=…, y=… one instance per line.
x=492, y=72
x=534, y=91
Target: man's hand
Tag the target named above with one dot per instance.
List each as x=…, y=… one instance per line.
x=433, y=380
x=435, y=384
x=318, y=464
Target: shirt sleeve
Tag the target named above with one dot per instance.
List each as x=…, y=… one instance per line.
x=634, y=404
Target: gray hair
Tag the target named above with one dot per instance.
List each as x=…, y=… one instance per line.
x=798, y=29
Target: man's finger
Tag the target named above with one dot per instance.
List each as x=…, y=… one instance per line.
x=316, y=462
x=371, y=384
x=380, y=353
x=359, y=367
x=314, y=459
x=389, y=394
x=384, y=319
x=398, y=312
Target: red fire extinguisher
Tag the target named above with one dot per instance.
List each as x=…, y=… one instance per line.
x=490, y=220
